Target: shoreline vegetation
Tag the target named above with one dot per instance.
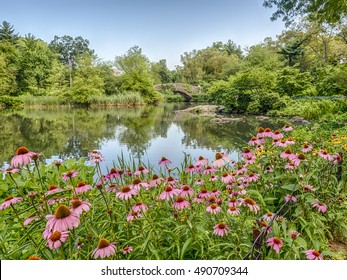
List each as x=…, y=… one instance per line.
x=298, y=73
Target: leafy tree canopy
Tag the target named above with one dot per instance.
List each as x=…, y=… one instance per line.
x=328, y=11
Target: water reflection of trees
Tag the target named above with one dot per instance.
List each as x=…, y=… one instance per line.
x=75, y=132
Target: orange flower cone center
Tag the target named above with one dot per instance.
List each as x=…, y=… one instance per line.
x=136, y=181
x=62, y=212
x=55, y=236
x=76, y=203
x=22, y=151
x=125, y=189
x=249, y=200
x=218, y=156
x=103, y=243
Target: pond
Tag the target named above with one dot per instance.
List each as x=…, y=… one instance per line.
x=142, y=134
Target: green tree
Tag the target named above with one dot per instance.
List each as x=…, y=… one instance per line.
x=88, y=81
x=8, y=68
x=330, y=11
x=292, y=50
x=70, y=50
x=112, y=80
x=262, y=56
x=35, y=65
x=136, y=74
x=7, y=32
x=161, y=73
x=291, y=81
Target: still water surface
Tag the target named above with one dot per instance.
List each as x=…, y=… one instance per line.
x=142, y=133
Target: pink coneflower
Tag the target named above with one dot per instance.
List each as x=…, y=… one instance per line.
x=268, y=216
x=78, y=205
x=53, y=189
x=69, y=174
x=306, y=148
x=215, y=193
x=23, y=157
x=294, y=234
x=247, y=153
x=202, y=161
x=252, y=177
x=55, y=199
x=36, y=156
x=313, y=255
x=140, y=207
x=137, y=184
x=127, y=249
x=96, y=157
x=275, y=243
x=30, y=220
x=190, y=168
x=267, y=132
x=213, y=178
x=57, y=163
x=208, y=170
x=63, y=219
x=337, y=158
x=180, y=203
x=113, y=188
x=267, y=228
x=82, y=188
x=287, y=128
x=213, y=208
x=10, y=170
x=321, y=207
x=186, y=191
x=105, y=249
x=234, y=211
x=226, y=178
x=56, y=238
x=126, y=193
x=277, y=135
x=296, y=159
x=253, y=141
x=199, y=181
x=260, y=132
x=112, y=174
x=249, y=160
x=240, y=170
x=171, y=181
x=290, y=198
x=141, y=170
x=290, y=165
x=309, y=188
x=250, y=203
x=204, y=193
x=233, y=202
x=287, y=154
x=282, y=143
x=169, y=192
x=290, y=141
x=10, y=200
x=156, y=180
x=221, y=229
x=268, y=169
x=164, y=161
x=219, y=161
x=134, y=216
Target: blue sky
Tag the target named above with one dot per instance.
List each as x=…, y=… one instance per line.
x=163, y=29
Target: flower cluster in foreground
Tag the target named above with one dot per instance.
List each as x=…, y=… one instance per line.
x=265, y=204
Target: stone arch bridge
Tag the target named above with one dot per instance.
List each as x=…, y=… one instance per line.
x=185, y=90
